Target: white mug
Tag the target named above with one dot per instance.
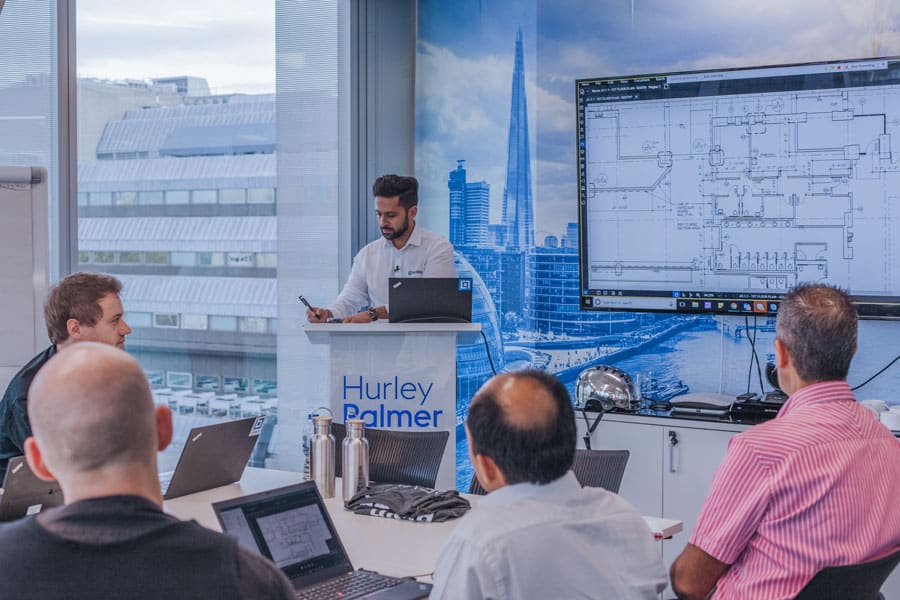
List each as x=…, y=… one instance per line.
x=891, y=420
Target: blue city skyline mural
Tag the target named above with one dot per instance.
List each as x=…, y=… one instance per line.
x=508, y=200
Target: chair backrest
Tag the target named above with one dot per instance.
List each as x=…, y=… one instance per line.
x=593, y=468
x=601, y=468
x=861, y=581
x=410, y=457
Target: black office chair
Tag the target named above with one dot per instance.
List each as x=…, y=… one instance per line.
x=409, y=457
x=593, y=468
x=861, y=581
x=601, y=468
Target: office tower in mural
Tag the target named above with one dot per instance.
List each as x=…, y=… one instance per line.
x=526, y=290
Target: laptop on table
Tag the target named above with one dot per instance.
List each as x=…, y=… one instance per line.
x=430, y=299
x=291, y=527
x=24, y=493
x=213, y=455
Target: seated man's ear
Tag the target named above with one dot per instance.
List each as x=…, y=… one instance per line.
x=36, y=460
x=163, y=426
x=488, y=473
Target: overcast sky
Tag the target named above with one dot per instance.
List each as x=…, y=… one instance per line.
x=229, y=43
x=465, y=63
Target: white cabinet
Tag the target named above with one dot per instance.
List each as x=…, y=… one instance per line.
x=670, y=467
x=690, y=461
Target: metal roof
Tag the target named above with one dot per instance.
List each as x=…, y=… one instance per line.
x=173, y=234
x=147, y=130
x=178, y=173
x=241, y=296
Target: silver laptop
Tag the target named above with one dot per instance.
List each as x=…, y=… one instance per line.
x=24, y=493
x=430, y=299
x=291, y=527
x=212, y=456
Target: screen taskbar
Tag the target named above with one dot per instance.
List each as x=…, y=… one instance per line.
x=717, y=303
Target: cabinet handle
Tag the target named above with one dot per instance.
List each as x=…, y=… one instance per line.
x=673, y=441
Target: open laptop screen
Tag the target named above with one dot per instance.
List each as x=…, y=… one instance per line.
x=291, y=527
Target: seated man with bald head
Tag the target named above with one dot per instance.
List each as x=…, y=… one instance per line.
x=538, y=533
x=96, y=431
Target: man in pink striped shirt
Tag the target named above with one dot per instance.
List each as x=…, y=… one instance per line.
x=817, y=486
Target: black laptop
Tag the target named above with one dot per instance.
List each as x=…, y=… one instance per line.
x=291, y=527
x=24, y=493
x=212, y=456
x=430, y=299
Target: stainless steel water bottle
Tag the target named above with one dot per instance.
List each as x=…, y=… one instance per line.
x=355, y=459
x=321, y=456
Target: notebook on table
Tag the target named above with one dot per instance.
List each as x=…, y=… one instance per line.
x=213, y=455
x=24, y=493
x=291, y=527
x=430, y=299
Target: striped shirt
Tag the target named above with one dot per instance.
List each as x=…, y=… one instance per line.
x=817, y=486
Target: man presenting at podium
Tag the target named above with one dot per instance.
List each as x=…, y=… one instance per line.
x=405, y=250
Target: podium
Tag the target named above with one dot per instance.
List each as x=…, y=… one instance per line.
x=396, y=376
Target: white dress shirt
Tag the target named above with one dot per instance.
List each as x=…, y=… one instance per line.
x=426, y=254
x=552, y=541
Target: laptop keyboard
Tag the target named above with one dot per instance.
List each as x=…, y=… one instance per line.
x=355, y=584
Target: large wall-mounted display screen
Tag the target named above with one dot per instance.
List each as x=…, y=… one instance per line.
x=716, y=191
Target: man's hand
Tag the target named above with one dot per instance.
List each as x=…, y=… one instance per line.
x=365, y=317
x=318, y=315
x=360, y=317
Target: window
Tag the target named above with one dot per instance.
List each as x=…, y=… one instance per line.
x=265, y=386
x=193, y=322
x=240, y=259
x=82, y=199
x=177, y=379
x=232, y=196
x=178, y=197
x=126, y=198
x=261, y=196
x=222, y=323
x=139, y=319
x=84, y=257
x=207, y=382
x=184, y=259
x=103, y=257
x=129, y=258
x=234, y=384
x=252, y=324
x=100, y=198
x=204, y=196
x=156, y=258
x=166, y=321
x=155, y=378
x=150, y=198
x=267, y=260
x=211, y=259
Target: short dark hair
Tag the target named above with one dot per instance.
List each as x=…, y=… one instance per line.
x=818, y=324
x=77, y=297
x=407, y=188
x=538, y=454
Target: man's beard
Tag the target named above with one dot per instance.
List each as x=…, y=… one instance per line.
x=396, y=233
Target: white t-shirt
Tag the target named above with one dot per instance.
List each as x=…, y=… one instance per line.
x=426, y=254
x=550, y=541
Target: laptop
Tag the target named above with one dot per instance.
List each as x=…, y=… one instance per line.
x=291, y=527
x=430, y=299
x=212, y=456
x=24, y=493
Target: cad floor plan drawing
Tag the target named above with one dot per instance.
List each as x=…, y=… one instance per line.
x=754, y=192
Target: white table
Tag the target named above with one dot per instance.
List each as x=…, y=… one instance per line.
x=398, y=548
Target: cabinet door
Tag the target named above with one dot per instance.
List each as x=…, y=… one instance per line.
x=642, y=483
x=691, y=457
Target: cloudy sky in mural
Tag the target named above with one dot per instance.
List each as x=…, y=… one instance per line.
x=468, y=47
